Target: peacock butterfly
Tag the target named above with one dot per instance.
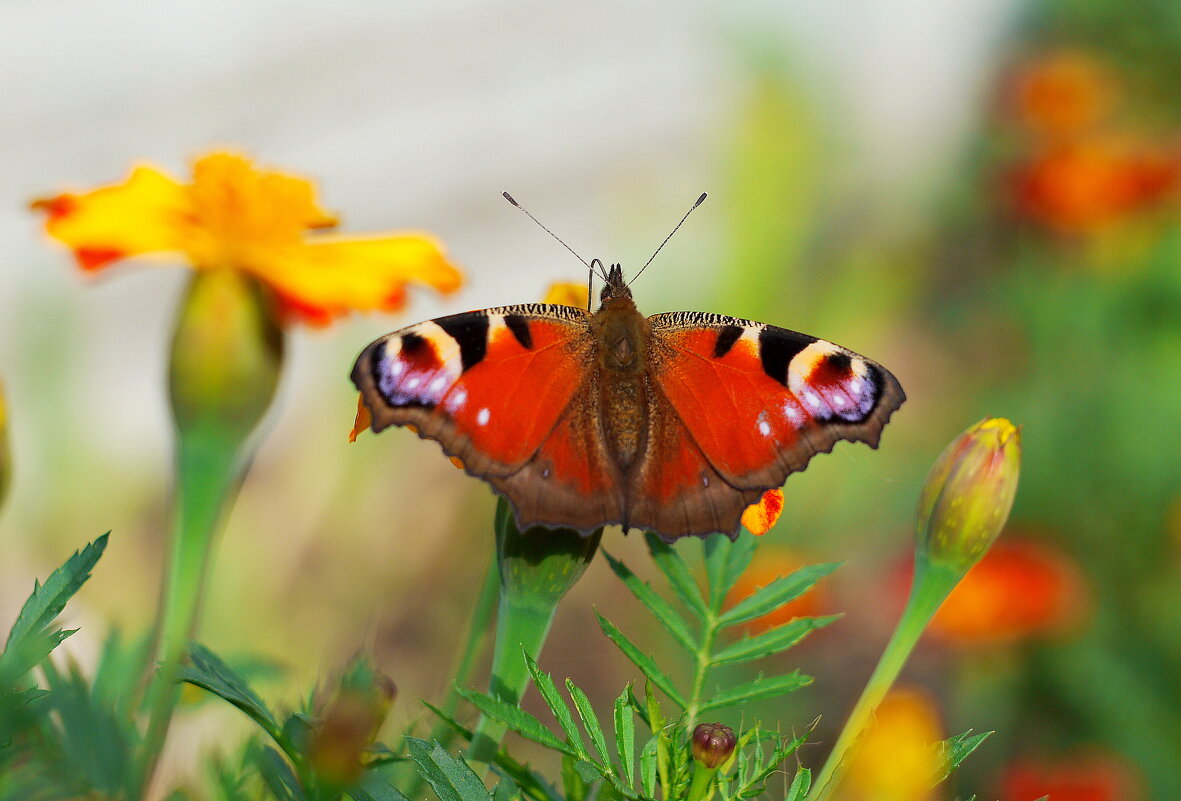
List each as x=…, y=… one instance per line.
x=675, y=423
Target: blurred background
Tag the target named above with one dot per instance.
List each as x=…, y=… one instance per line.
x=982, y=196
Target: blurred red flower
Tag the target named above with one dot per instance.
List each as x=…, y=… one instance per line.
x=1080, y=186
x=1019, y=588
x=1063, y=92
x=1089, y=776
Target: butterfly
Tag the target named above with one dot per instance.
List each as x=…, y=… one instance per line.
x=674, y=423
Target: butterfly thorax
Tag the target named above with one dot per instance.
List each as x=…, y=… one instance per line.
x=621, y=337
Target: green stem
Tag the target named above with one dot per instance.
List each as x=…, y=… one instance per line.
x=208, y=472
x=520, y=626
x=704, y=657
x=931, y=585
x=701, y=787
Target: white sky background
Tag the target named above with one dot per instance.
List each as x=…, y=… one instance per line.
x=418, y=115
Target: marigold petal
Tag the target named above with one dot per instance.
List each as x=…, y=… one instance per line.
x=144, y=215
x=332, y=276
x=566, y=293
x=363, y=419
x=761, y=517
x=897, y=758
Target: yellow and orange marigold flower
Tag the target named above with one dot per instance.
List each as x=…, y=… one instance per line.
x=897, y=758
x=1020, y=588
x=232, y=214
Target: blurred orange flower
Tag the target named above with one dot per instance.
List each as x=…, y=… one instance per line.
x=232, y=214
x=897, y=758
x=1089, y=776
x=1078, y=187
x=1019, y=588
x=1063, y=92
x=567, y=293
x=769, y=563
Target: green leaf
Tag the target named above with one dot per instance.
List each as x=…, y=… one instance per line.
x=279, y=777
x=450, y=777
x=717, y=563
x=648, y=759
x=673, y=567
x=625, y=736
x=777, y=593
x=770, y=642
x=205, y=669
x=755, y=784
x=373, y=787
x=954, y=750
x=506, y=790
x=742, y=550
x=799, y=785
x=590, y=721
x=553, y=699
x=517, y=719
x=658, y=606
x=757, y=689
x=48, y=599
x=641, y=660
x=574, y=784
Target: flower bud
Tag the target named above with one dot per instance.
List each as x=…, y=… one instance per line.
x=349, y=722
x=713, y=744
x=5, y=458
x=968, y=494
x=226, y=353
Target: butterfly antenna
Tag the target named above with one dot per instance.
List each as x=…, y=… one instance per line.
x=700, y=200
x=510, y=199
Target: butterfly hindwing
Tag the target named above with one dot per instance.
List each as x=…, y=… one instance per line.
x=760, y=401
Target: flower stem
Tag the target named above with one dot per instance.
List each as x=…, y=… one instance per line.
x=932, y=583
x=208, y=472
x=701, y=787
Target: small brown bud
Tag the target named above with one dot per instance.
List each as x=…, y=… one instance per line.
x=713, y=744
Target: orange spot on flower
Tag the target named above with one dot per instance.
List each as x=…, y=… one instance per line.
x=455, y=460
x=769, y=563
x=1063, y=93
x=1082, y=776
x=897, y=758
x=761, y=517
x=1019, y=588
x=262, y=222
x=1085, y=185
x=363, y=420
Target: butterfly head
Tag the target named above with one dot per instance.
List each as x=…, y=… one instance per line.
x=614, y=287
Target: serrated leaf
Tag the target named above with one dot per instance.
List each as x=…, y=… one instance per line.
x=770, y=642
x=516, y=719
x=954, y=750
x=574, y=785
x=755, y=785
x=450, y=777
x=372, y=787
x=800, y=785
x=455, y=725
x=590, y=722
x=48, y=599
x=674, y=569
x=757, y=689
x=206, y=669
x=279, y=777
x=648, y=758
x=742, y=551
x=641, y=660
x=625, y=736
x=506, y=790
x=776, y=594
x=716, y=549
x=658, y=606
x=544, y=683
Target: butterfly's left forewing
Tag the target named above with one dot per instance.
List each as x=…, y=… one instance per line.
x=760, y=401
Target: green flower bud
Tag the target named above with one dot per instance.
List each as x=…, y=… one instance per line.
x=5, y=457
x=968, y=494
x=539, y=565
x=349, y=722
x=713, y=744
x=226, y=354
